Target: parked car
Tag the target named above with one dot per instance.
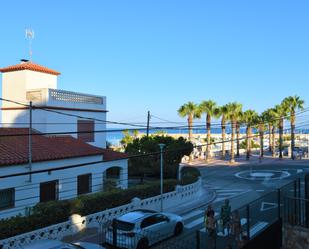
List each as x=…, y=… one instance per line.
x=56, y=244
x=140, y=229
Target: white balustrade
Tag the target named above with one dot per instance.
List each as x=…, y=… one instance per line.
x=181, y=195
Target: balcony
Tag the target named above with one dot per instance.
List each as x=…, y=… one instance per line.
x=55, y=97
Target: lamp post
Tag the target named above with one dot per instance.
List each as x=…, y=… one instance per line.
x=161, y=173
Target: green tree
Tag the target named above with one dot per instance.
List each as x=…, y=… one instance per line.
x=239, y=122
x=222, y=112
x=291, y=104
x=234, y=109
x=150, y=165
x=191, y=111
x=280, y=112
x=126, y=139
x=262, y=120
x=269, y=119
x=209, y=108
x=250, y=117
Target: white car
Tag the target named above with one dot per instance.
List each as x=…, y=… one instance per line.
x=140, y=229
x=55, y=244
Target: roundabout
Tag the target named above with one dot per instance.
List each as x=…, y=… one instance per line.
x=262, y=175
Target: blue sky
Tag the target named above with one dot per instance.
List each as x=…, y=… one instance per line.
x=158, y=54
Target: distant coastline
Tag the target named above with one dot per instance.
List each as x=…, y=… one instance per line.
x=114, y=137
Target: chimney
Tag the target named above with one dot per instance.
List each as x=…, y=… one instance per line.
x=22, y=61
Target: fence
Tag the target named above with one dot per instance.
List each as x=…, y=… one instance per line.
x=296, y=212
x=182, y=194
x=260, y=221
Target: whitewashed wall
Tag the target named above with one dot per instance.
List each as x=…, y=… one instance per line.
x=181, y=195
x=28, y=194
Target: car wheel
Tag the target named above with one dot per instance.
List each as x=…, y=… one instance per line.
x=142, y=244
x=178, y=229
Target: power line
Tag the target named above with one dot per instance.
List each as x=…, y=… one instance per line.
x=128, y=157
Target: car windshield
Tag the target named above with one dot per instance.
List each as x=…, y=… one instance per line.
x=125, y=226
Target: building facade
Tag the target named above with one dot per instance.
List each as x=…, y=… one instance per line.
x=66, y=145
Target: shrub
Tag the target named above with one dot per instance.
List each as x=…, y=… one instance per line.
x=53, y=212
x=189, y=175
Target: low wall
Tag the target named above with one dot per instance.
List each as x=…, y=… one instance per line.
x=182, y=194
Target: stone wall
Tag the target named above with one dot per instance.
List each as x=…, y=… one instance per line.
x=295, y=237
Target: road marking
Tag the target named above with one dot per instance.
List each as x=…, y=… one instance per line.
x=257, y=227
x=195, y=223
x=267, y=206
x=192, y=214
x=260, y=190
x=299, y=171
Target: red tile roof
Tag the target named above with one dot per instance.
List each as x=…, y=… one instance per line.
x=14, y=149
x=29, y=66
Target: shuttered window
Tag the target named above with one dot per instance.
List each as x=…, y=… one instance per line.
x=83, y=184
x=7, y=198
x=49, y=191
x=85, y=130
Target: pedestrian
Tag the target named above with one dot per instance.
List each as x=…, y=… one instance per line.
x=236, y=229
x=209, y=211
x=226, y=215
x=211, y=230
x=244, y=241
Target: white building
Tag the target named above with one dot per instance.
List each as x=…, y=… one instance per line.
x=27, y=82
x=84, y=151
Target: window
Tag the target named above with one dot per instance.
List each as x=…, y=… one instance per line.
x=154, y=219
x=7, y=198
x=85, y=129
x=48, y=191
x=83, y=184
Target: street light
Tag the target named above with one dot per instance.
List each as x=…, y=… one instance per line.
x=161, y=174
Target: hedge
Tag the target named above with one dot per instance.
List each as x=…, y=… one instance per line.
x=189, y=175
x=53, y=212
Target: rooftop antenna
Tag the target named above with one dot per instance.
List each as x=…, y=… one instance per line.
x=29, y=36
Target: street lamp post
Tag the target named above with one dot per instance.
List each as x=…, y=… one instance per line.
x=161, y=173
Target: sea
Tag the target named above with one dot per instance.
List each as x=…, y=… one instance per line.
x=114, y=136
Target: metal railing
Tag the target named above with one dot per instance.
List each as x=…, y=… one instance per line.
x=68, y=96
x=296, y=211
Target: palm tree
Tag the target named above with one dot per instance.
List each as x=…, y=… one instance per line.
x=234, y=109
x=291, y=105
x=223, y=112
x=262, y=120
x=268, y=118
x=250, y=118
x=240, y=121
x=280, y=112
x=208, y=107
x=191, y=111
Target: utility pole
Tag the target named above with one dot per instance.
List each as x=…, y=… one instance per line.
x=30, y=141
x=148, y=121
x=161, y=174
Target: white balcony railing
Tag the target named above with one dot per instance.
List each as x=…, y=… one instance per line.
x=40, y=95
x=62, y=95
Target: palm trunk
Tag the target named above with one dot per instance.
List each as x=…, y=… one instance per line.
x=190, y=121
x=232, y=141
x=280, y=137
x=208, y=138
x=270, y=142
x=261, y=131
x=248, y=142
x=237, y=138
x=273, y=140
x=292, y=134
x=223, y=136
